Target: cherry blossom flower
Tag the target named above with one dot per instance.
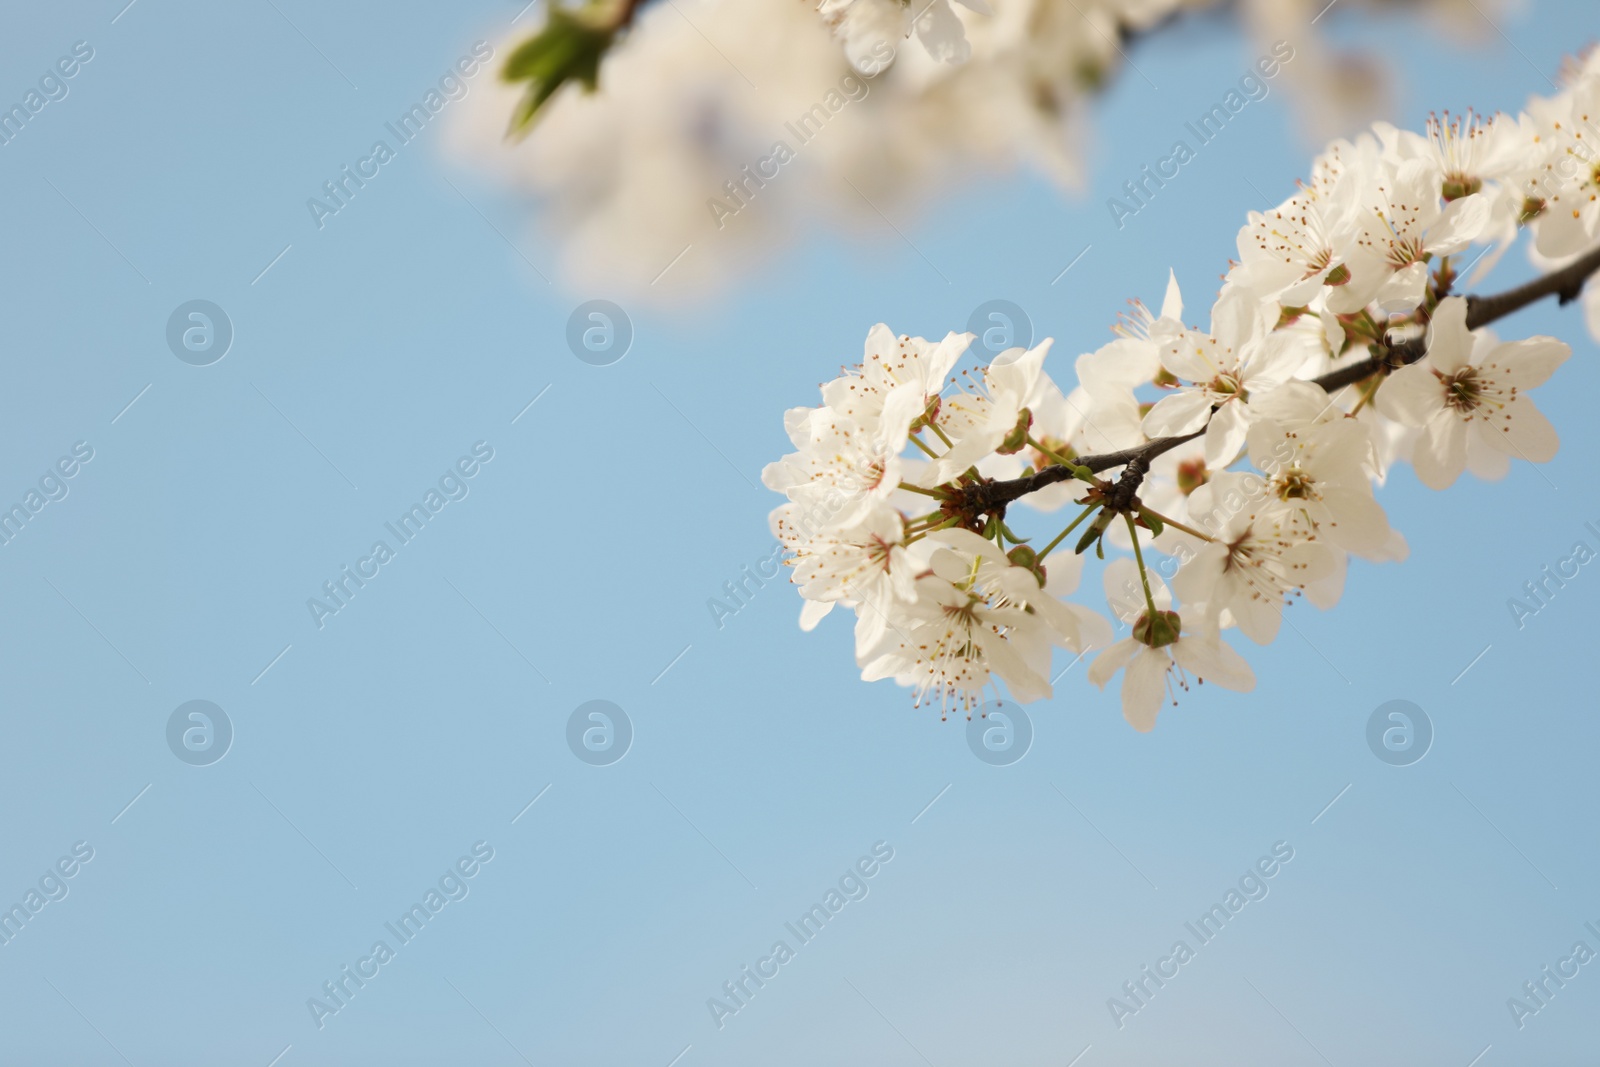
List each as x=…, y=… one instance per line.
x=1318, y=468
x=1237, y=358
x=1255, y=562
x=1566, y=195
x=1402, y=228
x=977, y=420
x=954, y=642
x=896, y=383
x=866, y=24
x=1450, y=396
x=837, y=464
x=864, y=563
x=1161, y=651
x=1337, y=349
x=1007, y=584
x=1292, y=251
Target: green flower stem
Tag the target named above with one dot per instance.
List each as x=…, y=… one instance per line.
x=932, y=529
x=1077, y=472
x=1371, y=391
x=1176, y=525
x=1138, y=555
x=1090, y=510
x=937, y=494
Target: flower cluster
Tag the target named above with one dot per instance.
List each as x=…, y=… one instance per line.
x=878, y=106
x=1242, y=458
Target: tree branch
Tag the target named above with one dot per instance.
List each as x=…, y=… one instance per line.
x=1564, y=284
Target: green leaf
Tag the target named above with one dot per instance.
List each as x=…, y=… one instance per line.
x=1096, y=529
x=568, y=48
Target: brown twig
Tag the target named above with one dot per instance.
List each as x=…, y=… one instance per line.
x=1564, y=284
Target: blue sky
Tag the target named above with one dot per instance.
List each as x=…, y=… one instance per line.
x=371, y=755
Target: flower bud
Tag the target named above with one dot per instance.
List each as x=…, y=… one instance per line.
x=1157, y=630
x=1456, y=187
x=929, y=416
x=1017, y=439
x=1023, y=556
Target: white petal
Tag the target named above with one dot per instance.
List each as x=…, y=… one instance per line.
x=1440, y=453
x=1449, y=340
x=1403, y=290
x=1224, y=435
x=1074, y=626
x=1411, y=395
x=1357, y=522
x=872, y=626
x=1144, y=689
x=1464, y=219
x=1172, y=302
x=1185, y=357
x=1259, y=618
x=1325, y=592
x=1528, y=363
x=1486, y=460
x=813, y=613
x=1177, y=413
x=1025, y=684
x=1112, y=660
x=1062, y=572
x=940, y=30
x=1214, y=660
x=1197, y=578
x=1523, y=431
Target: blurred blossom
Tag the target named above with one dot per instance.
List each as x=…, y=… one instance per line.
x=720, y=128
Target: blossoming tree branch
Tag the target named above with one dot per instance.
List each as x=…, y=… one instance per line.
x=1231, y=469
x=640, y=127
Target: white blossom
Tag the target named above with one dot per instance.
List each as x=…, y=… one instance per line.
x=1338, y=348
x=1155, y=671
x=1453, y=397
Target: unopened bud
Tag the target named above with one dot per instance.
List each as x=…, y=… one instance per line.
x=1460, y=185
x=1192, y=475
x=1023, y=556
x=1157, y=630
x=1016, y=440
